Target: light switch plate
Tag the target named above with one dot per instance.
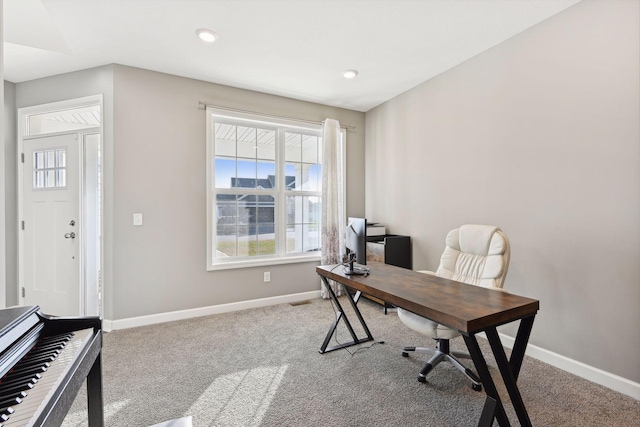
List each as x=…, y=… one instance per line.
x=137, y=219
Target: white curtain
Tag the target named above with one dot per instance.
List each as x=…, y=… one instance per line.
x=333, y=219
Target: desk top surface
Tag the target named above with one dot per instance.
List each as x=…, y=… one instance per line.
x=467, y=308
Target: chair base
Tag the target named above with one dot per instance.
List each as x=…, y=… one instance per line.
x=442, y=353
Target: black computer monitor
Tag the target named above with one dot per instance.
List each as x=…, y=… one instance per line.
x=356, y=243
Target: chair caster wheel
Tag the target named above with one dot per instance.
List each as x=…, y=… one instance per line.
x=422, y=379
x=476, y=387
x=405, y=354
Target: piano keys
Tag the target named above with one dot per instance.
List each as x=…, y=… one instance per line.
x=43, y=363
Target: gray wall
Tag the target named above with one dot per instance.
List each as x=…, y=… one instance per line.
x=540, y=136
x=10, y=197
x=160, y=152
x=154, y=163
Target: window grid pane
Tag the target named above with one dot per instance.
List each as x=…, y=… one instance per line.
x=303, y=223
x=246, y=142
x=266, y=144
x=293, y=147
x=245, y=225
x=303, y=167
x=225, y=140
x=49, y=169
x=309, y=149
x=61, y=158
x=266, y=227
x=245, y=157
x=225, y=172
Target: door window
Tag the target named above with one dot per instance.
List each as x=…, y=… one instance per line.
x=50, y=169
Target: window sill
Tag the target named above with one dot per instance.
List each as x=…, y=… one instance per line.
x=262, y=262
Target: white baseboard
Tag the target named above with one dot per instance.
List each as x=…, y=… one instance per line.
x=132, y=322
x=598, y=376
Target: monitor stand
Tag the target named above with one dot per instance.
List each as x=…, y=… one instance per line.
x=356, y=269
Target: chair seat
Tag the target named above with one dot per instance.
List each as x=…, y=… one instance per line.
x=425, y=326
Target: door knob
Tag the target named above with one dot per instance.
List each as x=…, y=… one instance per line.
x=71, y=235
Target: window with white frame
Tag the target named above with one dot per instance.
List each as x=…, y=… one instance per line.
x=264, y=190
x=49, y=169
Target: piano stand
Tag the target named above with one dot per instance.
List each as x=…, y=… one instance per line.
x=44, y=362
x=94, y=394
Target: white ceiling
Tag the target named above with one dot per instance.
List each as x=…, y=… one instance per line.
x=293, y=48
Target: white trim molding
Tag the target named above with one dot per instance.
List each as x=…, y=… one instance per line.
x=3, y=236
x=133, y=322
x=595, y=375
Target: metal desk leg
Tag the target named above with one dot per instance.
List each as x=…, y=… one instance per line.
x=509, y=369
x=340, y=315
x=488, y=411
x=493, y=407
x=354, y=301
x=520, y=345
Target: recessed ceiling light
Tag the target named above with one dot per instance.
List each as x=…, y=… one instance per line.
x=349, y=74
x=207, y=35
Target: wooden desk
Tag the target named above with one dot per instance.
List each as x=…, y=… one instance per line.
x=466, y=308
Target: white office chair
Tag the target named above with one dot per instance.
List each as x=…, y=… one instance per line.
x=474, y=254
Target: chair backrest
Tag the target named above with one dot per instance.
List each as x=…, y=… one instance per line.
x=476, y=254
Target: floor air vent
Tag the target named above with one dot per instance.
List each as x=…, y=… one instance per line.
x=300, y=303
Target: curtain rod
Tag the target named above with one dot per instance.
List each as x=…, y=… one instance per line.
x=204, y=105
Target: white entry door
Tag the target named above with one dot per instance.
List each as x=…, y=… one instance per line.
x=50, y=258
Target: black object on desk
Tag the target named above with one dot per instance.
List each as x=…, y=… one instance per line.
x=392, y=249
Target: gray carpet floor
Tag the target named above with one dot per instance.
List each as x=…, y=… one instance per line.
x=261, y=367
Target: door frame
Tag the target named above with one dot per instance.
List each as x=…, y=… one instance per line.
x=23, y=115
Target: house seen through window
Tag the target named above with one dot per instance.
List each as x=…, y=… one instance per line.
x=265, y=190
